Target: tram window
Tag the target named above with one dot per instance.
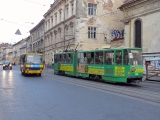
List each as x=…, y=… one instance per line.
x=81, y=59
x=55, y=58
x=63, y=59
x=99, y=57
x=109, y=57
x=60, y=58
x=119, y=57
x=125, y=57
x=90, y=58
x=69, y=58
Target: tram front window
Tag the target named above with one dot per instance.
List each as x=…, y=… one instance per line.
x=135, y=57
x=34, y=59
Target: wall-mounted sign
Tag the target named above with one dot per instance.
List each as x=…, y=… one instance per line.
x=117, y=34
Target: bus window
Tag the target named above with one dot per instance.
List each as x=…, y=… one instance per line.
x=22, y=59
x=90, y=58
x=99, y=57
x=109, y=57
x=125, y=57
x=119, y=57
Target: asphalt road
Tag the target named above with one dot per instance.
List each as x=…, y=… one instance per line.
x=53, y=97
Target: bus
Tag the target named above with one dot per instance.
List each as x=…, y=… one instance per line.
x=122, y=65
x=31, y=63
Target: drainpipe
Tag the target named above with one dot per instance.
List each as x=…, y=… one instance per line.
x=129, y=26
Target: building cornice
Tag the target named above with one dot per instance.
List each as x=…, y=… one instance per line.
x=52, y=7
x=37, y=26
x=140, y=8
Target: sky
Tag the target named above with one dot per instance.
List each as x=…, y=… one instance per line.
x=22, y=15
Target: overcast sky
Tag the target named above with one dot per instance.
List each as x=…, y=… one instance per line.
x=22, y=15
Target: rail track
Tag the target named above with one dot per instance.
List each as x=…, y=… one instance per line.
x=147, y=91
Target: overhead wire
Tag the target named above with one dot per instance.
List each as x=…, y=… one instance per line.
x=35, y=14
x=35, y=3
x=13, y=22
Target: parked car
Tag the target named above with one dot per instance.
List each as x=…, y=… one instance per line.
x=7, y=65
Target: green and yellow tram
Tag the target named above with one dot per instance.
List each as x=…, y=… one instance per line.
x=111, y=65
x=31, y=63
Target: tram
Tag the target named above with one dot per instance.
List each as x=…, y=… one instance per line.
x=31, y=63
x=122, y=65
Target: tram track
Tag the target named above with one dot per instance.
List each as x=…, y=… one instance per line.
x=135, y=91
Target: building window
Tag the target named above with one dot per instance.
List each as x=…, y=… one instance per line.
x=55, y=36
x=66, y=31
x=138, y=34
x=60, y=13
x=48, y=24
x=72, y=29
x=72, y=8
x=92, y=32
x=55, y=18
x=92, y=8
x=66, y=12
x=52, y=21
x=60, y=34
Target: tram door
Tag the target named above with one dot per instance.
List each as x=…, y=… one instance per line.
x=118, y=57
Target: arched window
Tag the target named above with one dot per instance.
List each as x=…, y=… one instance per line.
x=138, y=35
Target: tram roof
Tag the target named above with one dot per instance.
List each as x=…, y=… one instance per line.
x=129, y=48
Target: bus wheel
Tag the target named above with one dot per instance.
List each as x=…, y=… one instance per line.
x=39, y=74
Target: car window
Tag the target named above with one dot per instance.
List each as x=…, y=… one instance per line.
x=6, y=62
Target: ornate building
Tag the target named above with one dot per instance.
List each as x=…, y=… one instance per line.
x=82, y=25
x=142, y=22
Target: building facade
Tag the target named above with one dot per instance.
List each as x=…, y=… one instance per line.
x=82, y=25
x=2, y=47
x=8, y=53
x=142, y=22
x=28, y=44
x=17, y=51
x=36, y=42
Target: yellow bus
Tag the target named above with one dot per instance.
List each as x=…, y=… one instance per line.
x=31, y=63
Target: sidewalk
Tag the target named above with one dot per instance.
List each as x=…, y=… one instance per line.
x=154, y=78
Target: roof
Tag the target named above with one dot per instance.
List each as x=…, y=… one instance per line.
x=4, y=45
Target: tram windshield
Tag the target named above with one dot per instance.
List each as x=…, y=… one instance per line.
x=34, y=59
x=135, y=57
